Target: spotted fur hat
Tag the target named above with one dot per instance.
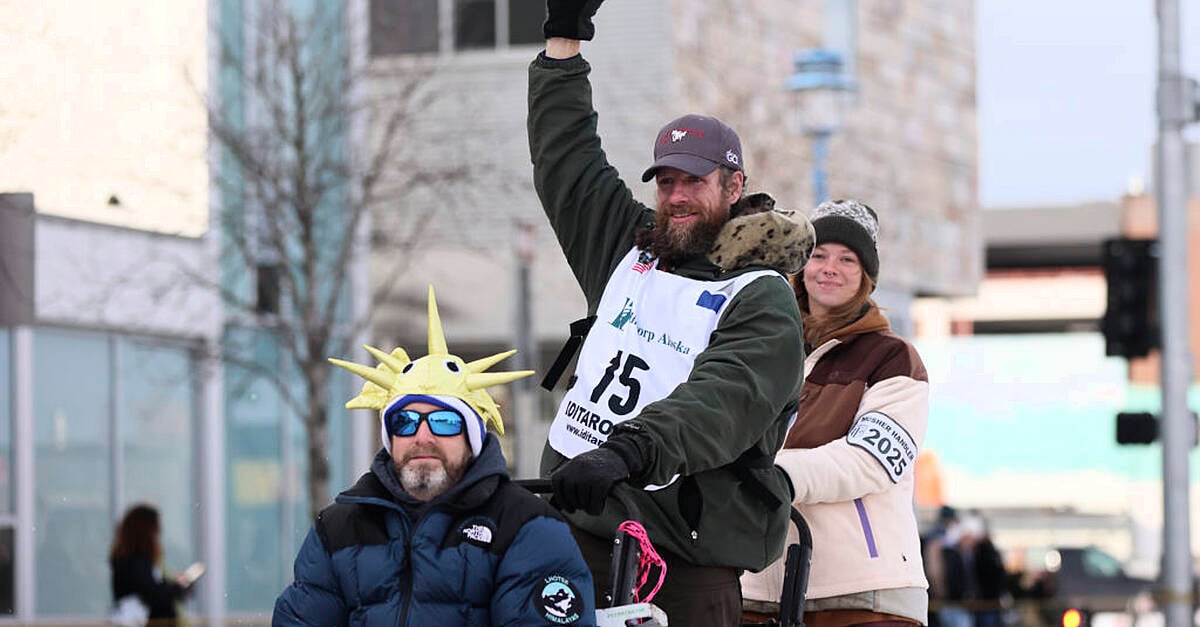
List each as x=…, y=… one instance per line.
x=758, y=233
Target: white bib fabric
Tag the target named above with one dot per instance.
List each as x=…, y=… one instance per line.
x=649, y=327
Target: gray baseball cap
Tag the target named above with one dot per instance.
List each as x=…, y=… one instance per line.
x=696, y=144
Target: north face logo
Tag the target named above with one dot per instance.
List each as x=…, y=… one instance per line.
x=479, y=533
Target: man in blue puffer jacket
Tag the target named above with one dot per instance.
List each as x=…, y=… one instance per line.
x=435, y=534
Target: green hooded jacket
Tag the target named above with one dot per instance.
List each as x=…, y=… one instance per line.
x=720, y=428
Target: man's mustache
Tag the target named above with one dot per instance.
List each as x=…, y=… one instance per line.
x=423, y=452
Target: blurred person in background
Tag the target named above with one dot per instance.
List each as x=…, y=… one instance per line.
x=136, y=559
x=933, y=542
x=987, y=584
x=851, y=451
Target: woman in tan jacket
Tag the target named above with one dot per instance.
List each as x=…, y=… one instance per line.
x=851, y=450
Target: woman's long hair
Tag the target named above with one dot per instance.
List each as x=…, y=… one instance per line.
x=138, y=534
x=819, y=328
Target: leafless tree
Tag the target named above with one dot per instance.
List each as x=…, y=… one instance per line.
x=297, y=180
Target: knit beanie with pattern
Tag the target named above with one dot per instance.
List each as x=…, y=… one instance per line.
x=853, y=225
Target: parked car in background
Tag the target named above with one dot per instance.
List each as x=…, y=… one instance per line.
x=1071, y=586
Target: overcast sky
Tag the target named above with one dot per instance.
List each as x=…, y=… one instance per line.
x=1066, y=96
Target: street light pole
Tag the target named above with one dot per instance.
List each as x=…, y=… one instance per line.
x=820, y=87
x=524, y=391
x=1176, y=109
x=820, y=142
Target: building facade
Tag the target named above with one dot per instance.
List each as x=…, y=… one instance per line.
x=105, y=404
x=131, y=369
x=908, y=145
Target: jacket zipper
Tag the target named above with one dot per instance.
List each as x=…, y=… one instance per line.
x=406, y=578
x=406, y=581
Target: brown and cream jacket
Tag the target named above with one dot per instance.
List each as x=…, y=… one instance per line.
x=862, y=415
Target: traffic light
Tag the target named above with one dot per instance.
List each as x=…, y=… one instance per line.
x=1130, y=323
x=1142, y=428
x=1136, y=428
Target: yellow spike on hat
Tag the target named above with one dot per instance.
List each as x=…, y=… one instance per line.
x=393, y=364
x=479, y=365
x=437, y=374
x=437, y=340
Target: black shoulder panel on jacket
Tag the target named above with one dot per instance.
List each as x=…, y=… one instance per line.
x=502, y=515
x=351, y=524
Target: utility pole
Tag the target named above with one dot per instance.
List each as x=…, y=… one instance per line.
x=524, y=391
x=1176, y=108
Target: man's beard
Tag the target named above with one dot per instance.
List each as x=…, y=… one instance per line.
x=672, y=243
x=427, y=480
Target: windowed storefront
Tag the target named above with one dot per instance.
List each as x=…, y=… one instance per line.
x=113, y=424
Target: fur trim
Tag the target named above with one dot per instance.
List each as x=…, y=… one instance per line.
x=762, y=235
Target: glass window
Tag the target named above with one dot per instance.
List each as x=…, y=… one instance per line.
x=6, y=409
x=1097, y=563
x=412, y=26
x=474, y=24
x=71, y=404
x=155, y=413
x=75, y=394
x=6, y=493
x=7, y=606
x=525, y=19
x=403, y=26
x=258, y=568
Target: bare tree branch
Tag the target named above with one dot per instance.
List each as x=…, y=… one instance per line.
x=295, y=190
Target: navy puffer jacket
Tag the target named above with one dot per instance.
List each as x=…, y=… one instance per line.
x=487, y=552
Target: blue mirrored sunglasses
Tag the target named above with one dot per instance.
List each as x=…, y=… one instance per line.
x=442, y=422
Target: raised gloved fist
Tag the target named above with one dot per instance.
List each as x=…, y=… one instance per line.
x=571, y=19
x=585, y=481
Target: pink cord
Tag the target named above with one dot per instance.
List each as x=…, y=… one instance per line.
x=649, y=558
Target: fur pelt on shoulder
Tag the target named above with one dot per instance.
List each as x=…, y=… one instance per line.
x=760, y=234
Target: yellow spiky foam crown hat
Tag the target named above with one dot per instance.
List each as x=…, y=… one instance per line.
x=439, y=378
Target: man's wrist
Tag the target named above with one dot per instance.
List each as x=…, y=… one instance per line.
x=628, y=451
x=561, y=48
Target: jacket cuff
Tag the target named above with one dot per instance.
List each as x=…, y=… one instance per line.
x=788, y=461
x=569, y=63
x=627, y=449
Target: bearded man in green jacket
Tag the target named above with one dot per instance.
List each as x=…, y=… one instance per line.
x=687, y=379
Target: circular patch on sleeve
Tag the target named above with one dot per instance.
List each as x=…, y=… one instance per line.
x=559, y=601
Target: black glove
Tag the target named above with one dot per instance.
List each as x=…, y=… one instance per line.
x=585, y=481
x=571, y=19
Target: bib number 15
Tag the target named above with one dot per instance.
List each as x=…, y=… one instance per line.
x=628, y=365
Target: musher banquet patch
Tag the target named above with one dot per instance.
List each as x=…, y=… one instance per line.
x=559, y=601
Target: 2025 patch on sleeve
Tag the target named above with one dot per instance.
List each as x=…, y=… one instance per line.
x=888, y=442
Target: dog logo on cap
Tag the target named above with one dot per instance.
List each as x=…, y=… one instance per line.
x=678, y=134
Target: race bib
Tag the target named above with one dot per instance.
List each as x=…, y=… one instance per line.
x=650, y=326
x=886, y=441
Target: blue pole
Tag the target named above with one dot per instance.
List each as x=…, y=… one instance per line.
x=820, y=151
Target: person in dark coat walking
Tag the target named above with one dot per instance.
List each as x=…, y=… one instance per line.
x=136, y=561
